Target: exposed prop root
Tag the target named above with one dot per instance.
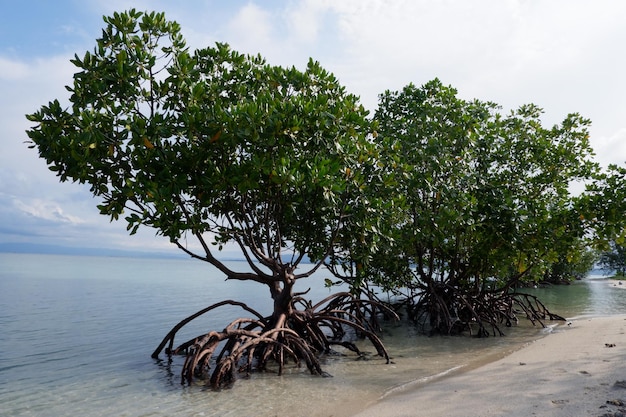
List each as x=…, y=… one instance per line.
x=253, y=344
x=446, y=310
x=170, y=336
x=534, y=309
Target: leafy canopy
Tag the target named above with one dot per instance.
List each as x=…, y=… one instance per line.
x=210, y=144
x=603, y=205
x=479, y=195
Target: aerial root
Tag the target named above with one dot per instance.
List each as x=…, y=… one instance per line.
x=444, y=309
x=252, y=344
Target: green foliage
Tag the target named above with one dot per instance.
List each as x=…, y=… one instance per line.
x=614, y=259
x=603, y=205
x=481, y=195
x=573, y=263
x=211, y=144
x=284, y=163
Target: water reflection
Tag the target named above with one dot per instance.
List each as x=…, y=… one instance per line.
x=593, y=296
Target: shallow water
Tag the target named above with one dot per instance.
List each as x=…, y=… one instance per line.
x=77, y=334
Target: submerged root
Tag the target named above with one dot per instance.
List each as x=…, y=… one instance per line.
x=251, y=344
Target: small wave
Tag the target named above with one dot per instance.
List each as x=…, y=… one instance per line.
x=422, y=380
x=549, y=328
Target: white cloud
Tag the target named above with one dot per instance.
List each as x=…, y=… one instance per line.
x=11, y=70
x=303, y=20
x=251, y=28
x=612, y=149
x=47, y=210
x=32, y=85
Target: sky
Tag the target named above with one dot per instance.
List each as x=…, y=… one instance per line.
x=565, y=56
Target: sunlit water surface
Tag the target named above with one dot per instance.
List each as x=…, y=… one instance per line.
x=77, y=334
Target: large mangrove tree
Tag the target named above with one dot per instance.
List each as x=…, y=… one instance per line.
x=483, y=205
x=214, y=148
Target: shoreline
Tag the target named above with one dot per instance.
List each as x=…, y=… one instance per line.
x=617, y=283
x=571, y=372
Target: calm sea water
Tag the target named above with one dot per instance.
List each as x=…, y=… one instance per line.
x=77, y=334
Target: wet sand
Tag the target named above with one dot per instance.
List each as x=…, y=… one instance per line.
x=578, y=370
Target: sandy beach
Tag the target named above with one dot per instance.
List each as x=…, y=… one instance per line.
x=618, y=283
x=578, y=370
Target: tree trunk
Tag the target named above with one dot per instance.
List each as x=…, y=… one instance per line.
x=299, y=334
x=282, y=294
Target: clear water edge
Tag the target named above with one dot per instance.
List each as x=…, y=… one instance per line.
x=78, y=333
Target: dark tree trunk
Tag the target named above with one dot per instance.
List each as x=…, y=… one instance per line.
x=282, y=294
x=297, y=330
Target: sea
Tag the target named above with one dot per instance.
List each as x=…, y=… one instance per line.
x=77, y=332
